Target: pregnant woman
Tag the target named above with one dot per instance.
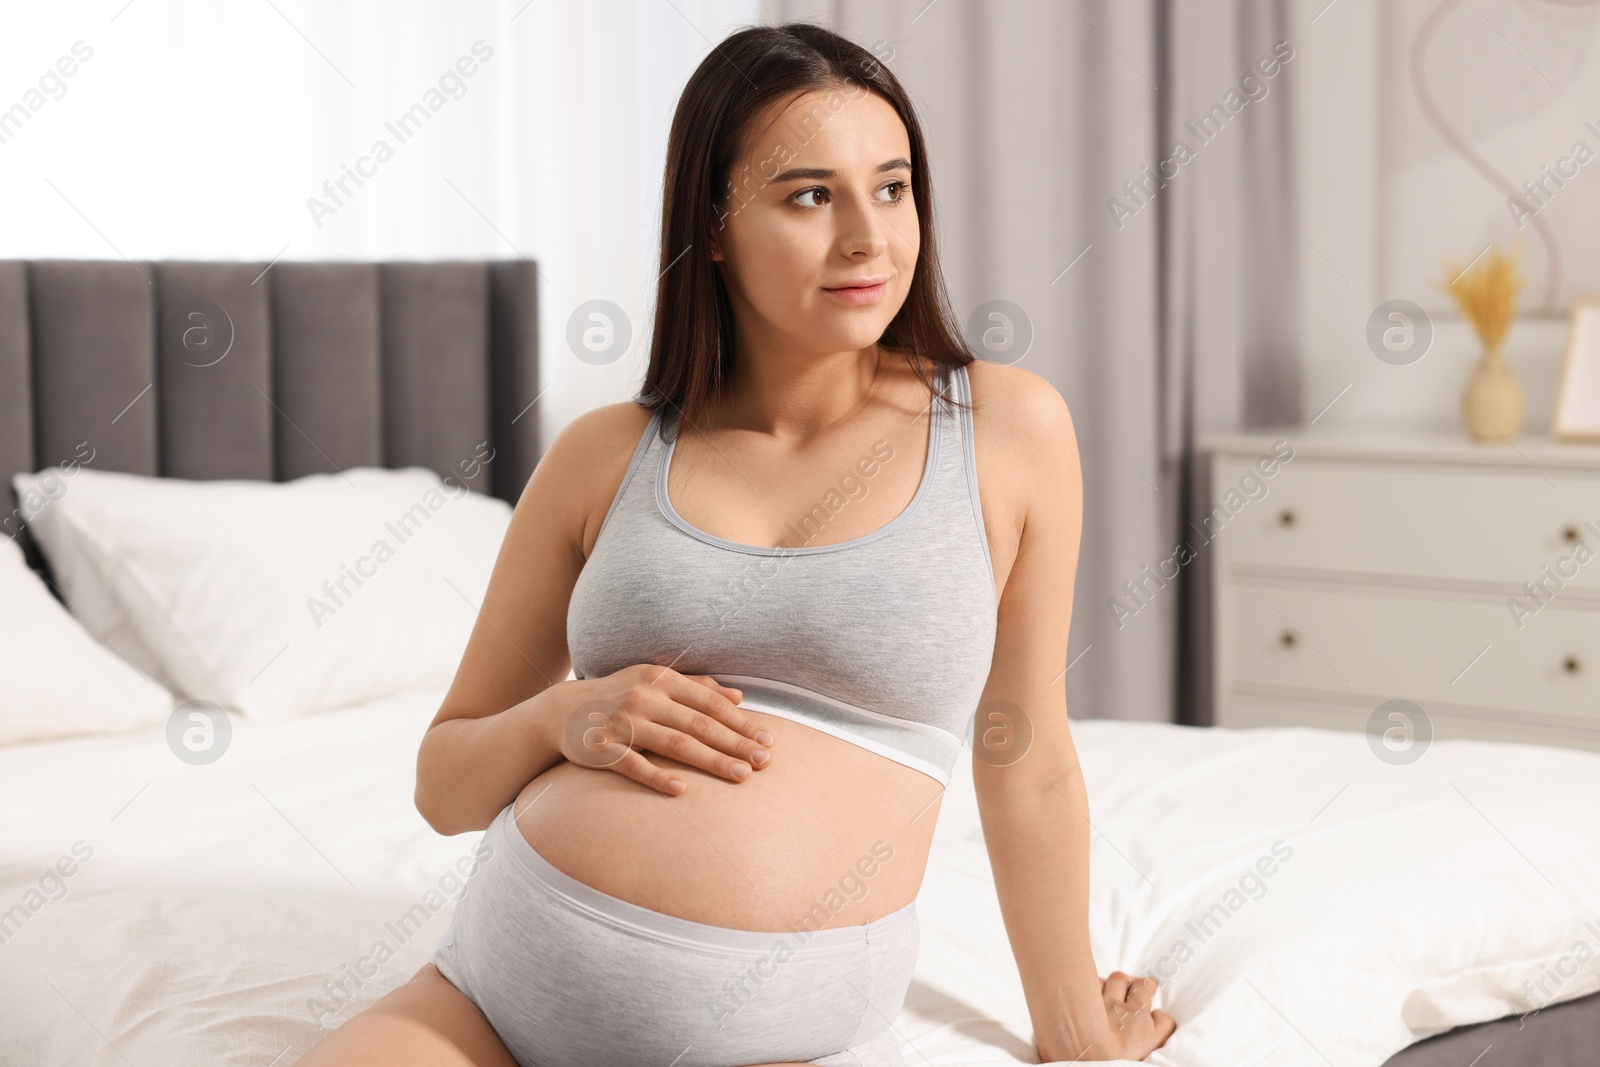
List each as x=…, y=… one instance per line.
x=784, y=599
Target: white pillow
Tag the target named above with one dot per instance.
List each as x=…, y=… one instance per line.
x=271, y=598
x=76, y=573
x=56, y=680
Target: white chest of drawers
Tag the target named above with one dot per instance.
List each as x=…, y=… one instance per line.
x=1350, y=569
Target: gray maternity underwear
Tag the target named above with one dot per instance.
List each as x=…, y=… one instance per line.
x=569, y=976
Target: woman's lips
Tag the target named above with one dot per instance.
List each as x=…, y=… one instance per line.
x=858, y=294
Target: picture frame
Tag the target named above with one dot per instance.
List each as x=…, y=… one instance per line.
x=1577, y=413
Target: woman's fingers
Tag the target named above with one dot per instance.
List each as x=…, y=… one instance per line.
x=692, y=719
x=703, y=727
x=633, y=765
x=686, y=748
x=730, y=728
x=1130, y=989
x=729, y=691
x=728, y=711
x=1138, y=1027
x=1138, y=1010
x=598, y=737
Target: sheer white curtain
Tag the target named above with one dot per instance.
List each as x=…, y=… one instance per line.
x=212, y=129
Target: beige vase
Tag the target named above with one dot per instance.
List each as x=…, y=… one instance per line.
x=1493, y=405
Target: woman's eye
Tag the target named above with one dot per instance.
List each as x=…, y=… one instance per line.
x=897, y=187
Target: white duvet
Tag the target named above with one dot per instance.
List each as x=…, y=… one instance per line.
x=230, y=914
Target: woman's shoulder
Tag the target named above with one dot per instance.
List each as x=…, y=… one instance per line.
x=1017, y=408
x=588, y=460
x=609, y=430
x=1024, y=445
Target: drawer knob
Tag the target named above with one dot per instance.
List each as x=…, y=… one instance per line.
x=1286, y=517
x=1288, y=639
x=1571, y=665
x=1570, y=533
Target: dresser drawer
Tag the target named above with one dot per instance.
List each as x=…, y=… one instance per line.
x=1456, y=649
x=1441, y=523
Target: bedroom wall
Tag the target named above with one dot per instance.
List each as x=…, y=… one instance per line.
x=1355, y=196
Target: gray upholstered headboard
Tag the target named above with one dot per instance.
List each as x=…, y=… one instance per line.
x=234, y=370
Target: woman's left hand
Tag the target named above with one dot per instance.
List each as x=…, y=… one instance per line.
x=1133, y=1028
x=1137, y=1027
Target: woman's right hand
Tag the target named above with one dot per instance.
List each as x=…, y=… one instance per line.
x=604, y=722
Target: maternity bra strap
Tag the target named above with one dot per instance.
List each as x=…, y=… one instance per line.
x=883, y=640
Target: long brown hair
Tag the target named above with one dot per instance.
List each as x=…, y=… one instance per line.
x=691, y=346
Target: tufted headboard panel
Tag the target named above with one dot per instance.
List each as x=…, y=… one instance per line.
x=234, y=370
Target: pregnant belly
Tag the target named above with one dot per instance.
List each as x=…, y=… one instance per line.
x=828, y=834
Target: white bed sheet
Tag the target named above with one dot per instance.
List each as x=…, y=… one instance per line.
x=222, y=906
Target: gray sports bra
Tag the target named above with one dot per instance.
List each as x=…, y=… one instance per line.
x=884, y=640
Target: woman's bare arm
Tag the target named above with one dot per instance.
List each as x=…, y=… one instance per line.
x=493, y=735
x=1032, y=801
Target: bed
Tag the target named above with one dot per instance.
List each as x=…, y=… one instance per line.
x=1303, y=902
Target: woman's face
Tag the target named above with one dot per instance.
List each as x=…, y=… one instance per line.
x=821, y=199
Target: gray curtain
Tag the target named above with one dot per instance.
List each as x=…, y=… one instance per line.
x=1160, y=320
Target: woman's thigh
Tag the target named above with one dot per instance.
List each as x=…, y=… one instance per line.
x=427, y=1022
